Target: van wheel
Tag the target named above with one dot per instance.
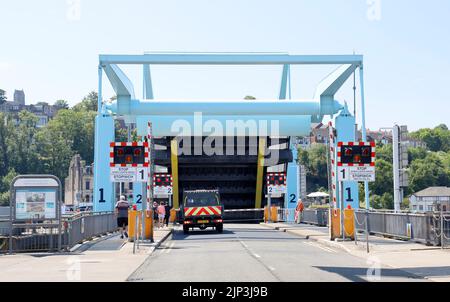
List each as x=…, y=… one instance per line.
x=219, y=228
x=185, y=229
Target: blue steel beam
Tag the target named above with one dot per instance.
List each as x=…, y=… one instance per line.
x=231, y=59
x=220, y=107
x=148, y=88
x=284, y=82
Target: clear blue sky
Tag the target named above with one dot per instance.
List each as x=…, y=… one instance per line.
x=407, y=64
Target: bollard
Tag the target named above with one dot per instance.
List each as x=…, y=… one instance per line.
x=149, y=225
x=173, y=216
x=274, y=214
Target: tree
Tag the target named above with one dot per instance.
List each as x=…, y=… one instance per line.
x=416, y=153
x=77, y=128
x=89, y=103
x=383, y=178
x=249, y=97
x=7, y=131
x=437, y=139
x=315, y=161
x=61, y=104
x=3, y=97
x=55, y=151
x=428, y=172
x=5, y=184
x=22, y=144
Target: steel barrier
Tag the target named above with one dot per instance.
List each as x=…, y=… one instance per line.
x=86, y=225
x=41, y=237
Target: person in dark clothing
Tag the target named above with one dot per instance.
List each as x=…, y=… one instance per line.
x=167, y=217
x=155, y=211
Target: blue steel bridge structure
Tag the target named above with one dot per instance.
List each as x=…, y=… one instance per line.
x=240, y=178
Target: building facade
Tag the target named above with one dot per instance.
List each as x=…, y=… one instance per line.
x=79, y=185
x=42, y=110
x=19, y=97
x=431, y=199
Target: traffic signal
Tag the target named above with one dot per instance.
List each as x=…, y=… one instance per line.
x=356, y=153
x=162, y=180
x=276, y=179
x=129, y=155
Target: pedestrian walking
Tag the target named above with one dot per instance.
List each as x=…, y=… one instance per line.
x=299, y=211
x=161, y=214
x=167, y=217
x=121, y=211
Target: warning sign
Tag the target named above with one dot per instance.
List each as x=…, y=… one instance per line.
x=128, y=174
x=362, y=174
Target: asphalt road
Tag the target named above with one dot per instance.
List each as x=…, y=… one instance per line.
x=253, y=253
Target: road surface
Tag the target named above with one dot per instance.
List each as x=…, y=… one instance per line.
x=253, y=253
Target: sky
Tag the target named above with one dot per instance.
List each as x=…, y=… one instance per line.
x=50, y=49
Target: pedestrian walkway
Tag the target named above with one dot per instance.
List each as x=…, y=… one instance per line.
x=432, y=263
x=106, y=259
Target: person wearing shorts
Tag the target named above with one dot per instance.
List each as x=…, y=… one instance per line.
x=122, y=216
x=161, y=214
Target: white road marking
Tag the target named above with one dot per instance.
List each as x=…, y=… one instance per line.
x=256, y=255
x=169, y=247
x=327, y=249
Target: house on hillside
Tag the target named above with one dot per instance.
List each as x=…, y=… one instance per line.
x=431, y=199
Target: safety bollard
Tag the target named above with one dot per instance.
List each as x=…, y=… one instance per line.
x=173, y=216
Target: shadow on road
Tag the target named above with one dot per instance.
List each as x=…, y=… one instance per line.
x=357, y=274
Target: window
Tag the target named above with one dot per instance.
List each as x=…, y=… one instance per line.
x=88, y=185
x=421, y=208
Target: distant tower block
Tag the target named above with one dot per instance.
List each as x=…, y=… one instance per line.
x=19, y=97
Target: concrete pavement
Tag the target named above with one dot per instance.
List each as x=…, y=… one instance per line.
x=107, y=259
x=253, y=253
x=430, y=263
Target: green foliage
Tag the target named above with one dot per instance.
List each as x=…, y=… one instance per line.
x=5, y=186
x=61, y=104
x=437, y=139
x=315, y=161
x=89, y=103
x=416, y=153
x=26, y=149
x=249, y=97
x=429, y=171
x=22, y=144
x=427, y=168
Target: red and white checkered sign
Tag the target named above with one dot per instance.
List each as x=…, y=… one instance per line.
x=361, y=144
x=127, y=144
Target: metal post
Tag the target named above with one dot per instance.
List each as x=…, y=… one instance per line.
x=442, y=228
x=396, y=167
x=363, y=126
x=367, y=230
x=341, y=194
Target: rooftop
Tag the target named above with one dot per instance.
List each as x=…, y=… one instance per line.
x=434, y=192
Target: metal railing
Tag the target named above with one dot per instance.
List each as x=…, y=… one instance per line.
x=41, y=237
x=86, y=225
